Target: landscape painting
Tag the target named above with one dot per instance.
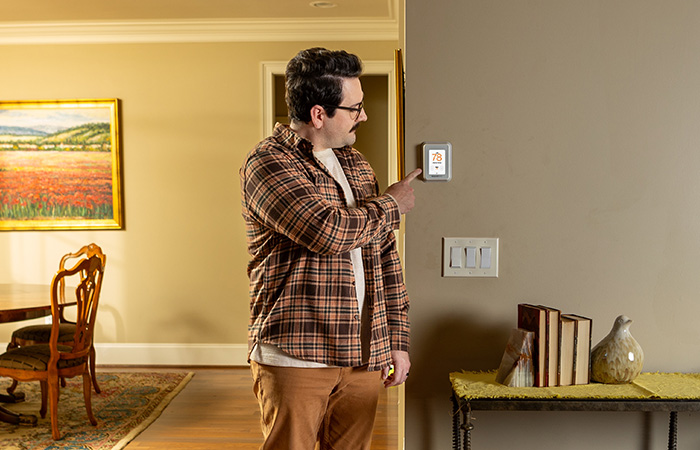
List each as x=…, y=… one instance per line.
x=60, y=165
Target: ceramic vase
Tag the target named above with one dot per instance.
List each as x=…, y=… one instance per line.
x=618, y=358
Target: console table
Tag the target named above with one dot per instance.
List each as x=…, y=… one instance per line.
x=667, y=392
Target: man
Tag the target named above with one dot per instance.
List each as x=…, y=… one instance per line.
x=329, y=309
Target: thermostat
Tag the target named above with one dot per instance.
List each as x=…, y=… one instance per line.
x=437, y=161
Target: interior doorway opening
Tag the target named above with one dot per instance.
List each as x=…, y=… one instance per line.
x=373, y=135
x=376, y=138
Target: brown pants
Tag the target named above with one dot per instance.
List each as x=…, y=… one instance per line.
x=334, y=406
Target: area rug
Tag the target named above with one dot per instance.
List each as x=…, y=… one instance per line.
x=129, y=403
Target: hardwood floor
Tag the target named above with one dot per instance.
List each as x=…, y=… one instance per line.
x=217, y=410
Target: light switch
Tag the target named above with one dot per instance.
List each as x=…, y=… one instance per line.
x=471, y=257
x=455, y=256
x=485, y=258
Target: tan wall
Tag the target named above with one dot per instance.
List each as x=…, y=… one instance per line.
x=190, y=113
x=574, y=131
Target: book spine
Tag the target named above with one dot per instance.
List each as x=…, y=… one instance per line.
x=546, y=349
x=559, y=355
x=582, y=361
x=576, y=368
x=530, y=317
x=589, y=323
x=553, y=330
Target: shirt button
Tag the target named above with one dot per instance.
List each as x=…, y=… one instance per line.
x=356, y=317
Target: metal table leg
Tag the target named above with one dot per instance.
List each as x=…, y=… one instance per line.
x=673, y=430
x=455, y=423
x=467, y=426
x=461, y=421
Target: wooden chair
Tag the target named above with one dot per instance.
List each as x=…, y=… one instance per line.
x=47, y=362
x=39, y=334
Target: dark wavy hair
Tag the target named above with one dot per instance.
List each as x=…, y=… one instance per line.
x=315, y=77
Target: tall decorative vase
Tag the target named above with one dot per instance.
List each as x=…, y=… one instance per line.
x=618, y=358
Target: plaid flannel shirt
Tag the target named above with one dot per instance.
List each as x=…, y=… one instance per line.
x=300, y=232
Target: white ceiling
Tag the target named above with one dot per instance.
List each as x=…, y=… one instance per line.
x=121, y=21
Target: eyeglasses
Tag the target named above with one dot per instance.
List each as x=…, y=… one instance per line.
x=357, y=109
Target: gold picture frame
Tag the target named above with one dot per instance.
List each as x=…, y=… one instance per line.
x=60, y=165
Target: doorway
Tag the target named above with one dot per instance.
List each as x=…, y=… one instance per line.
x=376, y=138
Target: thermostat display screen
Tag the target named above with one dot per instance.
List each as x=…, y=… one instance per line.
x=436, y=161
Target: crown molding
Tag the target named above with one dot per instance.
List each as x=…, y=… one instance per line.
x=182, y=31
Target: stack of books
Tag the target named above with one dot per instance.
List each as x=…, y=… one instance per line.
x=562, y=345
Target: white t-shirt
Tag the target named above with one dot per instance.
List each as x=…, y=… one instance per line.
x=272, y=355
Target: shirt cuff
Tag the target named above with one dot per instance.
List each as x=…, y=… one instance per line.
x=394, y=213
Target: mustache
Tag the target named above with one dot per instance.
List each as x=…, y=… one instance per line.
x=355, y=127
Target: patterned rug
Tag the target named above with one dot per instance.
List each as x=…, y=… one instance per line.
x=129, y=403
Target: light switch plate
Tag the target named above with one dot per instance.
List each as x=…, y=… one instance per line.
x=484, y=249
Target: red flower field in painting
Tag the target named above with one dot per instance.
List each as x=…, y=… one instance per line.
x=55, y=185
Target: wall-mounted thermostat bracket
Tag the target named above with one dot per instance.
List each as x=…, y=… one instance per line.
x=437, y=161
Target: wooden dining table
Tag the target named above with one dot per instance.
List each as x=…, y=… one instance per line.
x=22, y=302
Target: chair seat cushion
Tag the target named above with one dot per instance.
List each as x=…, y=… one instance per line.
x=42, y=333
x=36, y=357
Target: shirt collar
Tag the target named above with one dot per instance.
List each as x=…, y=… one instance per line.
x=290, y=139
x=285, y=135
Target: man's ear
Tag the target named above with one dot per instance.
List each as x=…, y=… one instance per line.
x=318, y=115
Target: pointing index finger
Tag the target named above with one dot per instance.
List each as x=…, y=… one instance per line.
x=412, y=176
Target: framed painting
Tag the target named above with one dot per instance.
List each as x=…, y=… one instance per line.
x=60, y=165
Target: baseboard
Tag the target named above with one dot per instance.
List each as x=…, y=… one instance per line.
x=172, y=354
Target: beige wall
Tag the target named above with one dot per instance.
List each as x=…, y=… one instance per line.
x=575, y=139
x=190, y=113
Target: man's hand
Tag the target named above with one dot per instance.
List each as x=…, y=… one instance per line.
x=401, y=363
x=402, y=192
